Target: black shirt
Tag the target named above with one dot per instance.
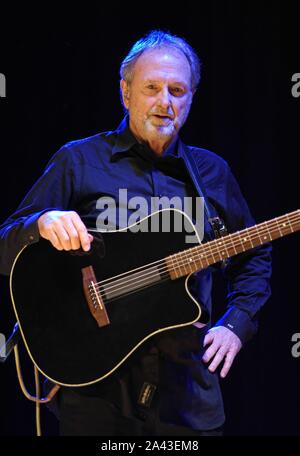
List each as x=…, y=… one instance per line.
x=82, y=174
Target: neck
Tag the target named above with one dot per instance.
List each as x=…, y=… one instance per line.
x=157, y=146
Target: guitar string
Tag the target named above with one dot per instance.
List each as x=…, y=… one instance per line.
x=182, y=263
x=130, y=291
x=127, y=288
x=215, y=249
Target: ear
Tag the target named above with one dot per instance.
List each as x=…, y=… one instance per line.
x=125, y=93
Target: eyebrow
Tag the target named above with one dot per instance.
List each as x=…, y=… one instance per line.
x=153, y=81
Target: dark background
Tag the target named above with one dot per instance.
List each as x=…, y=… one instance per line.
x=61, y=68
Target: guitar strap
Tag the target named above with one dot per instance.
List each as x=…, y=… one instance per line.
x=216, y=223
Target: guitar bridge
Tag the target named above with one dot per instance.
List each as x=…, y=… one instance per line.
x=93, y=297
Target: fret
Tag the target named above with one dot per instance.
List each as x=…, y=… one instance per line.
x=191, y=261
x=286, y=226
x=258, y=234
x=188, y=261
x=209, y=246
x=278, y=226
x=173, y=267
x=246, y=237
x=250, y=240
x=241, y=241
x=232, y=243
x=254, y=236
x=207, y=253
x=205, y=256
x=192, y=255
x=224, y=254
x=200, y=256
x=266, y=225
x=289, y=222
x=183, y=262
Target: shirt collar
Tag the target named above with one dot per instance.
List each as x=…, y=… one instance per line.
x=126, y=140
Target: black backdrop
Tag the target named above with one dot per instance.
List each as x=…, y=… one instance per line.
x=61, y=69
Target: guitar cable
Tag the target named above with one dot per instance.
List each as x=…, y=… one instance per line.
x=37, y=399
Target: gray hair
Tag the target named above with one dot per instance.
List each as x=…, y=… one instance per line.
x=160, y=39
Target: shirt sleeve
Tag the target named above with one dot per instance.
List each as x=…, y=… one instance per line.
x=248, y=273
x=54, y=190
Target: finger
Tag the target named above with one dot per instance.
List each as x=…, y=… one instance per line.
x=210, y=352
x=50, y=236
x=54, y=241
x=208, y=339
x=62, y=235
x=82, y=232
x=227, y=365
x=72, y=232
x=217, y=360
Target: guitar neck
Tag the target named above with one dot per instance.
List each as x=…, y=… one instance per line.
x=204, y=255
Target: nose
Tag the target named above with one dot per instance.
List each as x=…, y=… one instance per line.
x=164, y=100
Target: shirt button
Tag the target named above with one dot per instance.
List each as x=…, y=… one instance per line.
x=31, y=237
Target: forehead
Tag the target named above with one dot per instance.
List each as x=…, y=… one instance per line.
x=161, y=64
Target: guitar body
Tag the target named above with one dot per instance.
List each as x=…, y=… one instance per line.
x=62, y=337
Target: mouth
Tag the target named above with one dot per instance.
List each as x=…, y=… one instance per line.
x=163, y=116
x=161, y=120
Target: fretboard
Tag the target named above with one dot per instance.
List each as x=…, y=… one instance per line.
x=204, y=255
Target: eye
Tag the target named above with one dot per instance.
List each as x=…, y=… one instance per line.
x=177, y=91
x=151, y=87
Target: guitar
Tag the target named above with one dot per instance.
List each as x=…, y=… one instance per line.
x=82, y=314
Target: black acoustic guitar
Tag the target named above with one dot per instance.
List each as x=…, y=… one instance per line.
x=82, y=314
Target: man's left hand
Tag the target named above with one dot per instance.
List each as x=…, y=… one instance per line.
x=223, y=344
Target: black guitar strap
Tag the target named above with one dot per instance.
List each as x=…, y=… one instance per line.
x=217, y=224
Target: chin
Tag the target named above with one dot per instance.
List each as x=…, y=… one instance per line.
x=160, y=131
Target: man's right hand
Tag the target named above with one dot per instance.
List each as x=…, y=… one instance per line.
x=65, y=230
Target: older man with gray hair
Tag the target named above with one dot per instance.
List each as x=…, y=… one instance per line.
x=169, y=385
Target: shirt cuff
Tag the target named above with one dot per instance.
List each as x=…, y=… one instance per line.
x=31, y=232
x=239, y=322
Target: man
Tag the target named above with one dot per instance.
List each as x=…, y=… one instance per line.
x=159, y=77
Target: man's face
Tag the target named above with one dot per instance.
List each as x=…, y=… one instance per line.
x=159, y=96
